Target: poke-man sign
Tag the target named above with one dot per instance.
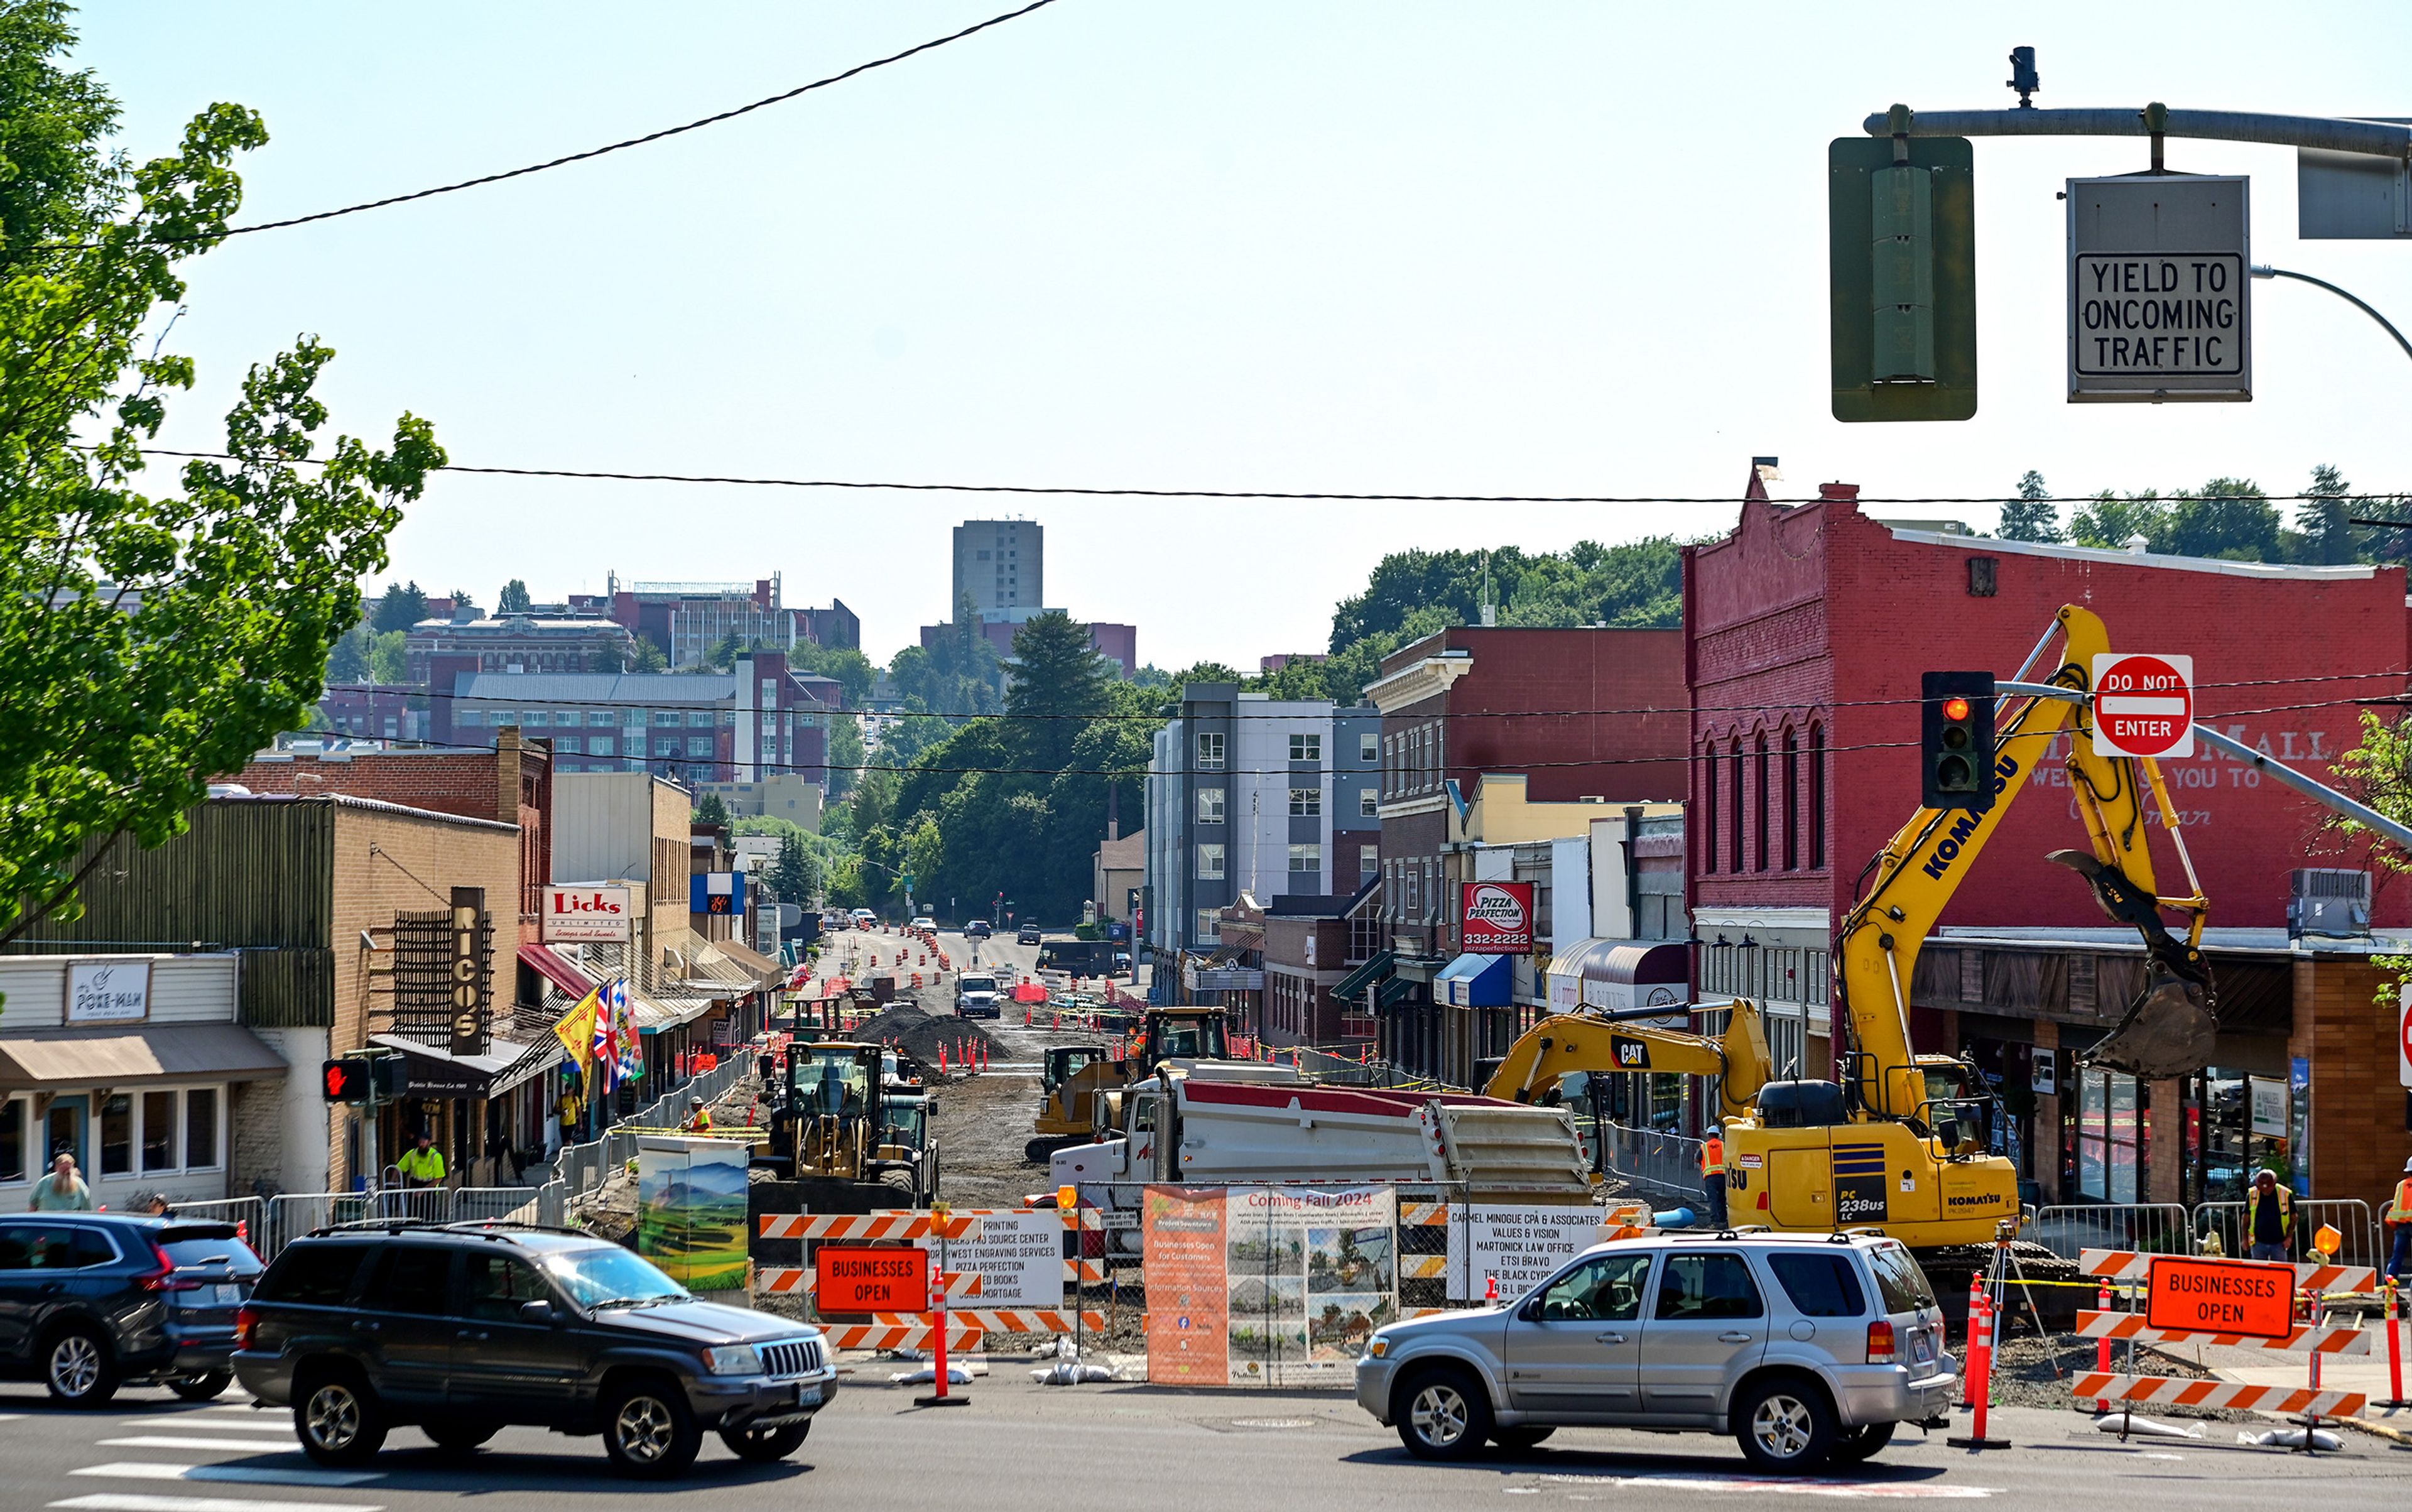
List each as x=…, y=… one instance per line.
x=2143, y=706
x=1497, y=917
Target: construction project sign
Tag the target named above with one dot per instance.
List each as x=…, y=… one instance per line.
x=1310, y=1276
x=1182, y=1228
x=2248, y=1297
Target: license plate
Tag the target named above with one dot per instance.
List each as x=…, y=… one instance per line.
x=1920, y=1349
x=808, y=1396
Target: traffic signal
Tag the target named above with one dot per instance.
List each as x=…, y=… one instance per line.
x=346, y=1081
x=1901, y=226
x=1955, y=740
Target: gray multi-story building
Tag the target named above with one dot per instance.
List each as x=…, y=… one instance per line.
x=999, y=564
x=1247, y=795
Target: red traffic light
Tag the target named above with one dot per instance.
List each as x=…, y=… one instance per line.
x=1955, y=709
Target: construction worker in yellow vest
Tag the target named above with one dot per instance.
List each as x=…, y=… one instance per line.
x=1712, y=1175
x=2399, y=1225
x=2269, y=1219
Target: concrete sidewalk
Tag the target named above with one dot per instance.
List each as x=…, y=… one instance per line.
x=2366, y=1374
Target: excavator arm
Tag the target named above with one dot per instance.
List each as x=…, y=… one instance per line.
x=2167, y=1031
x=1566, y=1043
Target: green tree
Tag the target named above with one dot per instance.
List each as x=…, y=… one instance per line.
x=514, y=598
x=402, y=605
x=712, y=810
x=349, y=661
x=148, y=640
x=852, y=669
x=2328, y=537
x=847, y=755
x=1056, y=680
x=389, y=659
x=645, y=656
x=2227, y=518
x=2107, y=520
x=2032, y=516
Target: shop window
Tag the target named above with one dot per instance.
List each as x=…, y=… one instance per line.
x=2110, y=1135
x=158, y=1131
x=200, y=1128
x=117, y=1134
x=12, y=1141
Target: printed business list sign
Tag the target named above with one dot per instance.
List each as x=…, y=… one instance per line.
x=1518, y=1247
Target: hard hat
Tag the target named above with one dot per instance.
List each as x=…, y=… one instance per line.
x=2407, y=1168
x=695, y=1102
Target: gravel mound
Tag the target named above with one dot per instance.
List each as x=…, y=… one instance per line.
x=920, y=1035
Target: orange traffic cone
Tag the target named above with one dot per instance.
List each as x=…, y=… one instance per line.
x=942, y=1059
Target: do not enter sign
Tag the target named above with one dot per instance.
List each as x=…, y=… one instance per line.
x=2143, y=706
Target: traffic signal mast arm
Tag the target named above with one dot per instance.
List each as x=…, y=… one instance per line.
x=1920, y=868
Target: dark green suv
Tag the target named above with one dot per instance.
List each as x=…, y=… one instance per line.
x=468, y=1329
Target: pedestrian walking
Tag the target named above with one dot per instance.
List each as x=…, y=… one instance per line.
x=421, y=1166
x=2399, y=1228
x=1712, y=1175
x=62, y=1190
x=2269, y=1219
x=698, y=1118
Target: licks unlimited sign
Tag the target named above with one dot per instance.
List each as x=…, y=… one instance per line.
x=1497, y=917
x=586, y=914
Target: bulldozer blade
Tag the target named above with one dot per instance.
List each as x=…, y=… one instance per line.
x=2168, y=1032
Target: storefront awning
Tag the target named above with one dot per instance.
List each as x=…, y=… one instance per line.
x=123, y=1058
x=765, y=970
x=435, y=1072
x=558, y=969
x=1620, y=974
x=1477, y=981
x=1353, y=985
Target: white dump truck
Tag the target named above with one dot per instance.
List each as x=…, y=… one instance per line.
x=1208, y=1122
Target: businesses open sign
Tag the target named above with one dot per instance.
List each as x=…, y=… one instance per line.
x=1497, y=918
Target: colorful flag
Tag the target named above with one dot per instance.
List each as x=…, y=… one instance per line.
x=627, y=1046
x=576, y=1029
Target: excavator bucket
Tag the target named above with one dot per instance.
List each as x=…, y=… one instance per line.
x=2168, y=1032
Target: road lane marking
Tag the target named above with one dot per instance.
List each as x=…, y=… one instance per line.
x=250, y=1474
x=177, y=1441
x=1755, y=1485
x=253, y=1424
x=126, y=1502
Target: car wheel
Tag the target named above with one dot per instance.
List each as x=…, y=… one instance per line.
x=80, y=1368
x=457, y=1437
x=1853, y=1444
x=1785, y=1426
x=1519, y=1440
x=766, y=1445
x=648, y=1431
x=1443, y=1415
x=338, y=1420
x=202, y=1387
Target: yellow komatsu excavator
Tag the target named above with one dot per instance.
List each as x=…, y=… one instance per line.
x=1896, y=1143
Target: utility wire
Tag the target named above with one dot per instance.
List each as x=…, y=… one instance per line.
x=740, y=480
x=574, y=157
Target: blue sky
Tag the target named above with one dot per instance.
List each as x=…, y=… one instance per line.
x=1500, y=247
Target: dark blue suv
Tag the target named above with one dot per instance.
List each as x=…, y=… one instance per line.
x=91, y=1301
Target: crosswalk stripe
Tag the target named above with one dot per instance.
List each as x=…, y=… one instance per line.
x=128, y=1502
x=251, y=1474
x=180, y=1440
x=253, y=1423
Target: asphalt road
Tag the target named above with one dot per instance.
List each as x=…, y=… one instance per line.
x=1019, y=1446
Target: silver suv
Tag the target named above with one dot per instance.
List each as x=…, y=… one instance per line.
x=1806, y=1350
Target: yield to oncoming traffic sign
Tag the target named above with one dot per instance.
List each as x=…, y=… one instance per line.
x=2143, y=706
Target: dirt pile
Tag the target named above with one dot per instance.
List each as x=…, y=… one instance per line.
x=920, y=1035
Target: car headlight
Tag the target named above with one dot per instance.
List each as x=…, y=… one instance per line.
x=1378, y=1346
x=732, y=1360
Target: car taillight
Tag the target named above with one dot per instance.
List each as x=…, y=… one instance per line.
x=163, y=1277
x=1880, y=1344
x=246, y=1318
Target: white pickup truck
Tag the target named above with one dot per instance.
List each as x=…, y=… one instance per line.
x=1219, y=1121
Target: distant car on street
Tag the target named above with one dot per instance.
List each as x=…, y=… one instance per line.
x=1028, y=934
x=977, y=996
x=864, y=918
x=923, y=922
x=979, y=929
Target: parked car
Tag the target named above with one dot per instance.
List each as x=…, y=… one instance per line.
x=1028, y=934
x=466, y=1328
x=979, y=929
x=1804, y=1349
x=91, y=1301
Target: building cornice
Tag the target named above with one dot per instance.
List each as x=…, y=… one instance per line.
x=1418, y=680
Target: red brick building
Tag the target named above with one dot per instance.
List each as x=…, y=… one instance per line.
x=1807, y=630
x=1585, y=714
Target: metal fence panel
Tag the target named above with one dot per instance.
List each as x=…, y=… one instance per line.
x=2349, y=1216
x=1653, y=1159
x=251, y=1214
x=2160, y=1227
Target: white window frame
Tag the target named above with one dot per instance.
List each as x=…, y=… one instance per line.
x=1369, y=862
x=1310, y=854
x=1306, y=746
x=1210, y=805
x=1306, y=802
x=1369, y=801
x=1369, y=746
x=600, y=745
x=1210, y=750
x=1213, y=864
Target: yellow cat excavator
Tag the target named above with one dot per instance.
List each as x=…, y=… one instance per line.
x=1896, y=1143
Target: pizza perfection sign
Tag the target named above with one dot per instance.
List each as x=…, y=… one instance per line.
x=1496, y=917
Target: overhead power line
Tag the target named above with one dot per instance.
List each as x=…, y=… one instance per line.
x=648, y=137
x=1301, y=496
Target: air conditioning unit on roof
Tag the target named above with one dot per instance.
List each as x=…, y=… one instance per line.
x=2328, y=902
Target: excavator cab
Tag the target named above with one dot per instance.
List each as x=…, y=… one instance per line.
x=1185, y=1033
x=1065, y=1061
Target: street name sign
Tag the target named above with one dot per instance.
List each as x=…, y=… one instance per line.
x=2160, y=298
x=2143, y=706
x=2248, y=1297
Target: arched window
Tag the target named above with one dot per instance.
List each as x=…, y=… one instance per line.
x=1792, y=798
x=1817, y=796
x=1741, y=795
x=1760, y=810
x=1708, y=808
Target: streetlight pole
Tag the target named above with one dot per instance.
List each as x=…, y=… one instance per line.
x=2265, y=270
